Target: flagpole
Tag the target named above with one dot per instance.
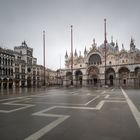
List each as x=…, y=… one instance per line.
x=44, y=56
x=105, y=41
x=71, y=54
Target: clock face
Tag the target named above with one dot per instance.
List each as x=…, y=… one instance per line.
x=29, y=69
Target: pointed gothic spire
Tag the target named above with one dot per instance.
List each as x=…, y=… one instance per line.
x=123, y=47
x=85, y=51
x=66, y=55
x=132, y=44
x=112, y=43
x=79, y=53
x=75, y=53
x=94, y=41
x=116, y=46
x=111, y=38
x=132, y=40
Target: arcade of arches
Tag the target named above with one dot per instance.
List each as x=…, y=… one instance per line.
x=10, y=83
x=122, y=77
x=6, y=83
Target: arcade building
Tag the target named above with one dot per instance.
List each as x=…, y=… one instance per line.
x=18, y=68
x=122, y=66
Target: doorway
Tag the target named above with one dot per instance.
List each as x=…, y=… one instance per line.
x=111, y=80
x=95, y=81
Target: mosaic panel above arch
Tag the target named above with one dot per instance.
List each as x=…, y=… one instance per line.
x=93, y=71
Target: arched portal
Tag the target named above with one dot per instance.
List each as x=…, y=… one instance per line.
x=123, y=76
x=5, y=83
x=78, y=77
x=29, y=81
x=23, y=83
x=10, y=83
x=110, y=76
x=69, y=79
x=17, y=81
x=92, y=75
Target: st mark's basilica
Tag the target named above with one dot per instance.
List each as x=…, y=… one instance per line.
x=122, y=66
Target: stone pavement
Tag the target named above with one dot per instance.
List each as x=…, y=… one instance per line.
x=70, y=114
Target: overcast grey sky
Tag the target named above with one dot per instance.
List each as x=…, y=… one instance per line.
x=26, y=19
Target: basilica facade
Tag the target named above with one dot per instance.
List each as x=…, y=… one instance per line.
x=122, y=66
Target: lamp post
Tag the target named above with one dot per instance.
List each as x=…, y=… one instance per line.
x=105, y=41
x=71, y=54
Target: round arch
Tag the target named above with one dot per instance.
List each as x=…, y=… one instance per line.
x=5, y=82
x=94, y=59
x=69, y=78
x=137, y=77
x=137, y=71
x=78, y=77
x=123, y=68
x=10, y=83
x=123, y=75
x=68, y=74
x=29, y=81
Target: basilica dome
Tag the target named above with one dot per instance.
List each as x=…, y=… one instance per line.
x=109, y=48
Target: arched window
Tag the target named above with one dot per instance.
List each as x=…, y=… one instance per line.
x=0, y=71
x=94, y=59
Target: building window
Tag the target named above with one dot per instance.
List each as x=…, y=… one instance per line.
x=17, y=76
x=34, y=72
x=80, y=65
x=23, y=76
x=110, y=62
x=12, y=72
x=16, y=70
x=29, y=69
x=23, y=70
